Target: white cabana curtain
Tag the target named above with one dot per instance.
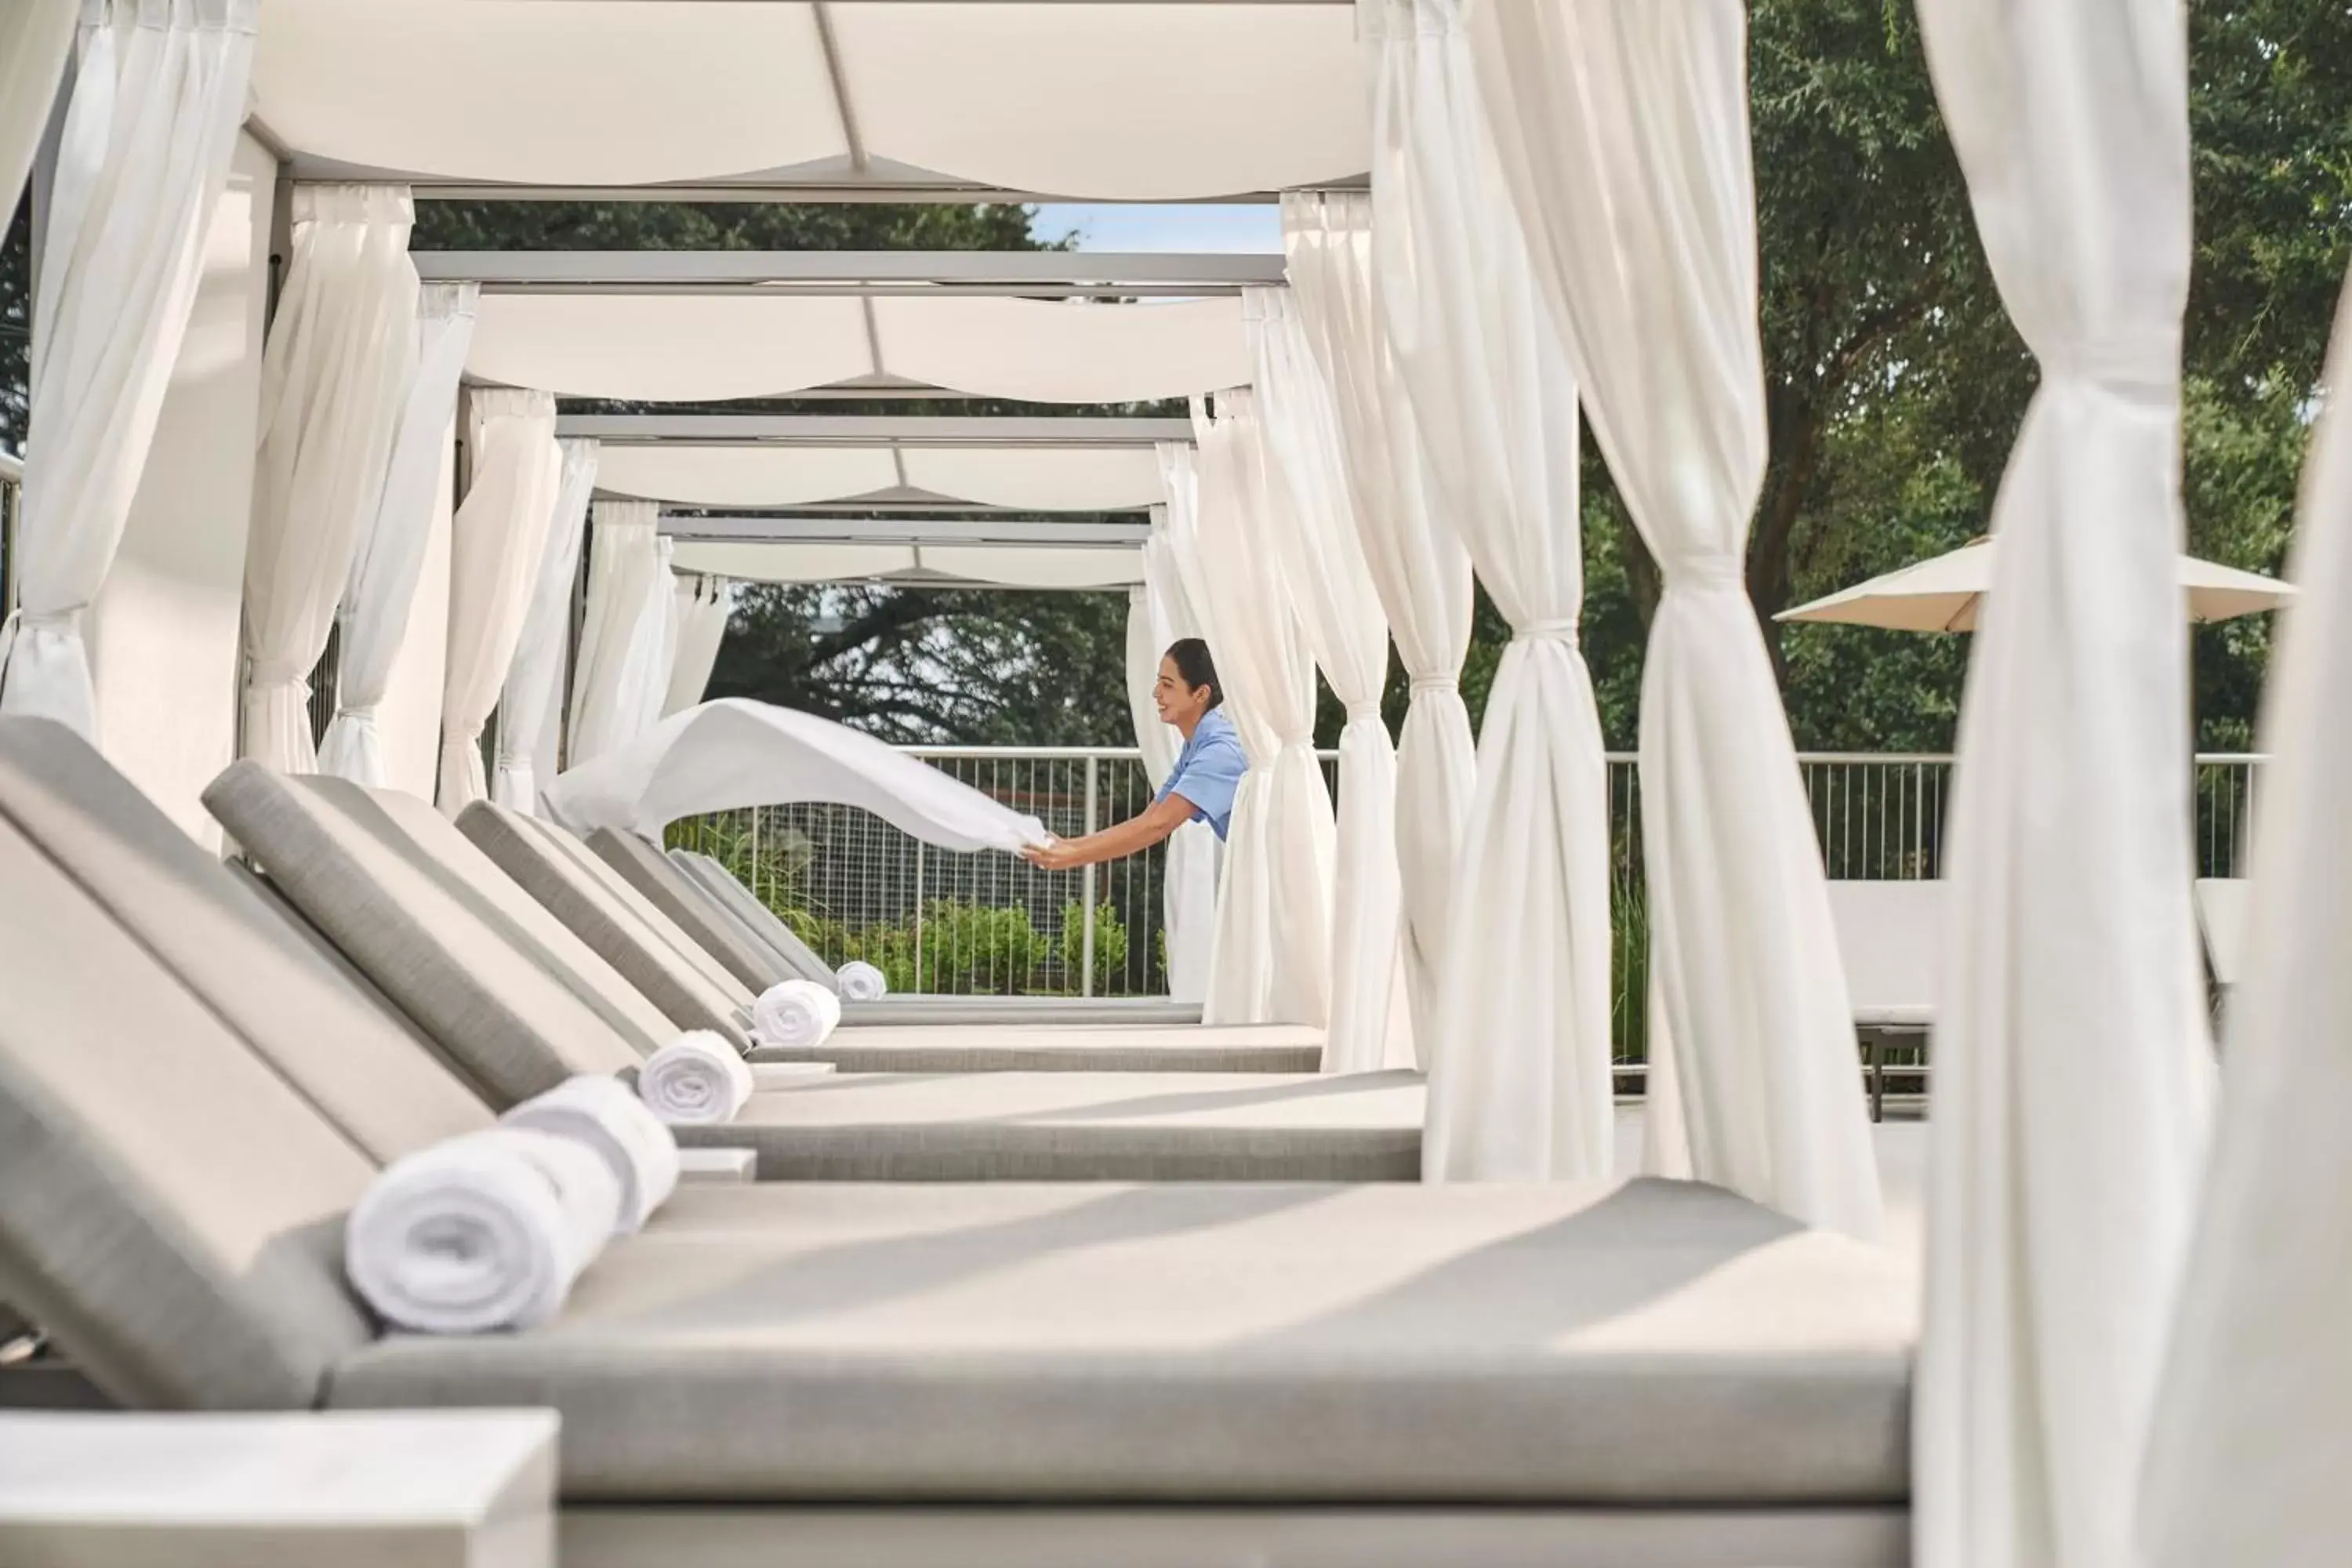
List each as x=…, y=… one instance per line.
x=621, y=640
x=533, y=697
x=2252, y=1436
x=496, y=541
x=704, y=605
x=1188, y=896
x=159, y=91
x=381, y=589
x=1526, y=1091
x=343, y=351
x=1310, y=522
x=35, y=38
x=1418, y=567
x=1274, y=909
x=1622, y=131
x=2059, y=1207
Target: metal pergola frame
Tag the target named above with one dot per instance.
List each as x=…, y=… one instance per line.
x=1025, y=274
x=870, y=431
x=1027, y=532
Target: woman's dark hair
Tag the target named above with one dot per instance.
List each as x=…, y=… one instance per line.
x=1191, y=657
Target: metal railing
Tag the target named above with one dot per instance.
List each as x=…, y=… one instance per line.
x=12, y=510
x=938, y=921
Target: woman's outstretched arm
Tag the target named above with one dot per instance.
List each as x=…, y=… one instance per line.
x=1140, y=831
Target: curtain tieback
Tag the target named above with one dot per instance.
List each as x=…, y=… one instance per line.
x=356, y=715
x=1707, y=574
x=2143, y=365
x=1435, y=684
x=278, y=672
x=1563, y=631
x=1356, y=711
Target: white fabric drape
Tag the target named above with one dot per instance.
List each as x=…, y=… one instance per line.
x=1189, y=897
x=1310, y=522
x=343, y=350
x=703, y=608
x=1623, y=138
x=628, y=601
x=534, y=686
x=158, y=94
x=36, y=37
x=1417, y=563
x=2072, y=1060
x=1526, y=1091
x=2252, y=1436
x=1273, y=953
x=734, y=753
x=381, y=589
x=495, y=543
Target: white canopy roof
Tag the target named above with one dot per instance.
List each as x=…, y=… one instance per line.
x=1029, y=478
x=1167, y=101
x=994, y=565
x=708, y=347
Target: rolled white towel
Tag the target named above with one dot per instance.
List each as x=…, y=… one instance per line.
x=697, y=1079
x=799, y=1012
x=602, y=1113
x=487, y=1231
x=861, y=981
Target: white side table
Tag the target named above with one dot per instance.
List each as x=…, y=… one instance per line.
x=470, y=1489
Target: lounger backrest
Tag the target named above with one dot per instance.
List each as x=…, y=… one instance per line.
x=444, y=954
x=721, y=935
x=1890, y=935
x=764, y=922
x=635, y=950
x=2222, y=918
x=618, y=886
x=170, y=1208
x=281, y=988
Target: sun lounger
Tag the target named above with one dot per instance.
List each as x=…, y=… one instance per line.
x=720, y=884
x=1653, y=1361
x=1889, y=936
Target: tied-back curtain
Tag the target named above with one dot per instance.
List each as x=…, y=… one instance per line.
x=1418, y=567
x=1310, y=522
x=1189, y=899
x=381, y=590
x=2252, y=1436
x=36, y=37
x=1622, y=131
x=335, y=381
x=534, y=685
x=1524, y=1088
x=628, y=598
x=495, y=546
x=159, y=91
x=1274, y=910
x=2060, y=1210
x=704, y=606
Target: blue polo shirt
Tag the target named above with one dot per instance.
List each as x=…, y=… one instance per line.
x=1208, y=771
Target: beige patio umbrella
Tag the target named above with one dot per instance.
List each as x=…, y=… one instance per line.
x=1940, y=594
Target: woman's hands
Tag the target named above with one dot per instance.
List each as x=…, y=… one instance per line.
x=1054, y=854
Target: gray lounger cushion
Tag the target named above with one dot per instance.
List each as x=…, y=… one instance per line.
x=1653, y=1344
x=1064, y=1126
x=576, y=850
x=274, y=982
x=721, y=935
x=762, y=921
x=170, y=1208
x=1890, y=938
x=638, y=951
x=447, y=956
x=919, y=1007
x=1013, y=1048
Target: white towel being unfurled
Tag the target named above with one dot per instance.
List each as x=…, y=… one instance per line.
x=695, y=1080
x=487, y=1231
x=861, y=981
x=604, y=1113
x=796, y=1013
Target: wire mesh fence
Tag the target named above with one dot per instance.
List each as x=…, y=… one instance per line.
x=990, y=924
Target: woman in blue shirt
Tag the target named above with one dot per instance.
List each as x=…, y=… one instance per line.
x=1200, y=786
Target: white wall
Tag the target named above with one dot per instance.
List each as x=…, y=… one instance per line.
x=410, y=718
x=164, y=631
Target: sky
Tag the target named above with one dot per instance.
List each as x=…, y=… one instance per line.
x=1189, y=227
